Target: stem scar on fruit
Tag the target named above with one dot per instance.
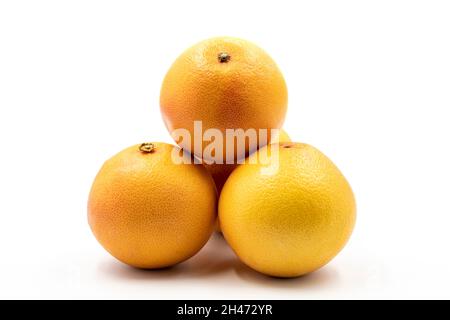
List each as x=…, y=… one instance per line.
x=287, y=145
x=224, y=57
x=147, y=147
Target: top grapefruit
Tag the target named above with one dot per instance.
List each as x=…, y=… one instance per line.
x=226, y=83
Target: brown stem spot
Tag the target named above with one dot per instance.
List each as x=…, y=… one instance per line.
x=223, y=57
x=147, y=147
x=287, y=145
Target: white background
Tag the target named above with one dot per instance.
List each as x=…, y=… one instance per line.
x=369, y=85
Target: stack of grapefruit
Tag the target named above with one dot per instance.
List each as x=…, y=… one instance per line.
x=283, y=207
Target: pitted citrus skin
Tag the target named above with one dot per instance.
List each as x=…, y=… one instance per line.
x=245, y=90
x=292, y=222
x=149, y=212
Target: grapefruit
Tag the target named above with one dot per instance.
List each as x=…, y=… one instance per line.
x=149, y=212
x=226, y=83
x=290, y=222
